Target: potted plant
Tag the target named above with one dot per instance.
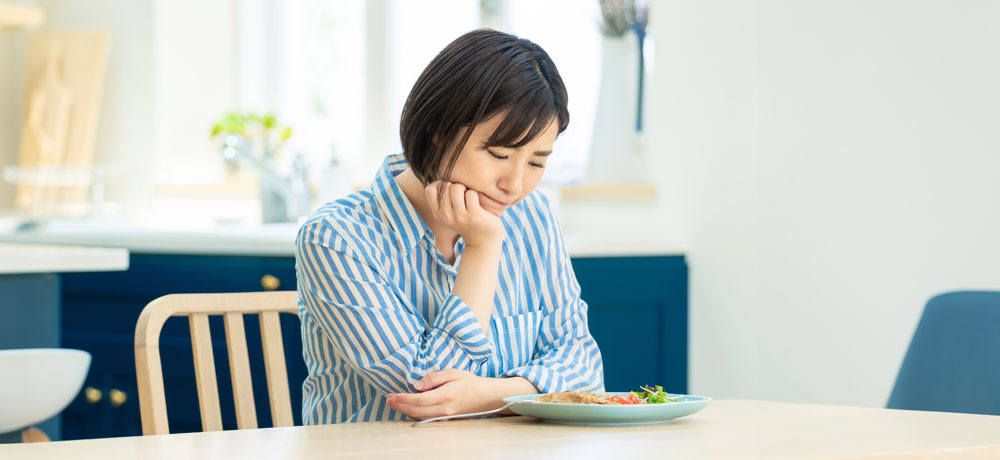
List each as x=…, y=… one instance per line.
x=257, y=141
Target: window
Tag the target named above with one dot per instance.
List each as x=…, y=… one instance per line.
x=339, y=73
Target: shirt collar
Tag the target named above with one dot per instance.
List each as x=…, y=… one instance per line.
x=401, y=214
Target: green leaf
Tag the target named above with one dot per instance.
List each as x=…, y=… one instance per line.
x=656, y=395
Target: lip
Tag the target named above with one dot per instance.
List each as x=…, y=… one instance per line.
x=497, y=202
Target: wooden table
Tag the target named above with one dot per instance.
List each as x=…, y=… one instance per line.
x=726, y=429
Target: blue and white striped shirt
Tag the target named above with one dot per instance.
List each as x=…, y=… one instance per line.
x=377, y=311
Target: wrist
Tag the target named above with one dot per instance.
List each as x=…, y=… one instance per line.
x=484, y=242
x=492, y=390
x=484, y=393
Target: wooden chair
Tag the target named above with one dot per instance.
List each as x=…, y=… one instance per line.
x=198, y=307
x=33, y=434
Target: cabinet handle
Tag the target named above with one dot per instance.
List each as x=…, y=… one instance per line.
x=93, y=395
x=270, y=282
x=117, y=397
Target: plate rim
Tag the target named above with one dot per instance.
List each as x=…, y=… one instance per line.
x=607, y=414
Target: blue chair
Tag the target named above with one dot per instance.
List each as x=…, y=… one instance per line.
x=953, y=364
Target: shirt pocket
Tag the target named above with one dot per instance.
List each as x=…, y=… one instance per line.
x=517, y=337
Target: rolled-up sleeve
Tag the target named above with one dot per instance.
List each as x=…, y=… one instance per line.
x=566, y=356
x=371, y=325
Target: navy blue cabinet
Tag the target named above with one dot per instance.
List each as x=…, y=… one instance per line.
x=29, y=318
x=638, y=315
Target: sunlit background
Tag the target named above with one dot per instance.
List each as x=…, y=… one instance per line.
x=337, y=73
x=824, y=166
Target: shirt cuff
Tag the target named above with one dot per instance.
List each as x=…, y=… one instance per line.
x=457, y=322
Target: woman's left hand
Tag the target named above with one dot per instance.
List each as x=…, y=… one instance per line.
x=446, y=392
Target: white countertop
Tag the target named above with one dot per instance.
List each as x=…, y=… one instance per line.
x=37, y=258
x=274, y=240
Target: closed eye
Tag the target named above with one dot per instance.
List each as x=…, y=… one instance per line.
x=504, y=157
x=498, y=156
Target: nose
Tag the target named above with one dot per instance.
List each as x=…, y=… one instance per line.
x=511, y=181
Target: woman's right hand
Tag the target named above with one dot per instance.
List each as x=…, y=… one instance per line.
x=459, y=208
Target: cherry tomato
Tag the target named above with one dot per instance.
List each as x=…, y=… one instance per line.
x=630, y=399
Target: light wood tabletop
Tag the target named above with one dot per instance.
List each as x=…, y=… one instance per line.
x=725, y=429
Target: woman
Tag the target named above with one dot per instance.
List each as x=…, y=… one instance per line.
x=445, y=286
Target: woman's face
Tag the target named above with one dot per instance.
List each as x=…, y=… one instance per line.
x=502, y=176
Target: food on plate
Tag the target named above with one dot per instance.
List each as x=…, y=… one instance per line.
x=576, y=397
x=647, y=396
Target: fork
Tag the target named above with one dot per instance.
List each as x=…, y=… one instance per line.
x=474, y=414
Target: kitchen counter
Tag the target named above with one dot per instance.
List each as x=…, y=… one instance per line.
x=275, y=240
x=37, y=258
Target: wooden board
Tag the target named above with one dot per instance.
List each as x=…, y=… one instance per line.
x=65, y=78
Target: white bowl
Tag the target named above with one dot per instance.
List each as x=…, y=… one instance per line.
x=38, y=383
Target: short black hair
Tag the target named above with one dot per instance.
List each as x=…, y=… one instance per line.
x=480, y=75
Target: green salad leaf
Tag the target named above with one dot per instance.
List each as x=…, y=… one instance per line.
x=654, y=396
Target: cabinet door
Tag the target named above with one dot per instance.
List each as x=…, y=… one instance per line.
x=638, y=316
x=82, y=419
x=108, y=405
x=122, y=406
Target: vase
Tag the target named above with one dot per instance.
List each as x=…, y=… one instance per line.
x=615, y=150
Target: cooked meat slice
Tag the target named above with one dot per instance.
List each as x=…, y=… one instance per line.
x=575, y=397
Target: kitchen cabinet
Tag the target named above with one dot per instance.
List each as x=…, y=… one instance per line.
x=638, y=315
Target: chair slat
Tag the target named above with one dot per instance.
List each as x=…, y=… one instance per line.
x=277, y=375
x=239, y=370
x=204, y=371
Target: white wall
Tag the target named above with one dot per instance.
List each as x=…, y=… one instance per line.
x=836, y=163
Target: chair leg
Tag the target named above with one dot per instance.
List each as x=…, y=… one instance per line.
x=32, y=434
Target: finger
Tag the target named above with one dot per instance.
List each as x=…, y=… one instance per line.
x=446, y=208
x=457, y=192
x=436, y=379
x=472, y=201
x=427, y=398
x=419, y=412
x=433, y=201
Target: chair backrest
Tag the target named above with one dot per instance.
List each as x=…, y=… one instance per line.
x=232, y=307
x=953, y=364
